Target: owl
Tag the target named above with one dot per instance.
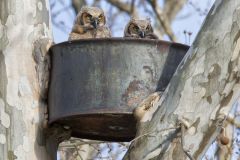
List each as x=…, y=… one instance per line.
x=139, y=28
x=90, y=23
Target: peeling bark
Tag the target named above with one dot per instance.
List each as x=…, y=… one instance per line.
x=22, y=24
x=200, y=94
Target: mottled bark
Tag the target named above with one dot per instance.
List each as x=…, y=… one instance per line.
x=23, y=79
x=191, y=111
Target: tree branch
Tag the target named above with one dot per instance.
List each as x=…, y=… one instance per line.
x=201, y=92
x=172, y=7
x=123, y=7
x=163, y=20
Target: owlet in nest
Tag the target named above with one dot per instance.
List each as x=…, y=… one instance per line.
x=90, y=23
x=139, y=28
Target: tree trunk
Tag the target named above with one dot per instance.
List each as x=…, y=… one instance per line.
x=24, y=38
x=190, y=113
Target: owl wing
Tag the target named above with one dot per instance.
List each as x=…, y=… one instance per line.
x=108, y=32
x=77, y=32
x=80, y=32
x=128, y=35
x=103, y=32
x=74, y=36
x=131, y=36
x=151, y=36
x=79, y=29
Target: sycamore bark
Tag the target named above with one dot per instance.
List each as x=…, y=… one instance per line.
x=24, y=35
x=191, y=111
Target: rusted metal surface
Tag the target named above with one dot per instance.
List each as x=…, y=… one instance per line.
x=96, y=84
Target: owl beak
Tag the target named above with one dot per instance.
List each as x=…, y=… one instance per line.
x=142, y=34
x=95, y=23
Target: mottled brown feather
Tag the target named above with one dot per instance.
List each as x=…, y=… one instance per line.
x=135, y=26
x=83, y=27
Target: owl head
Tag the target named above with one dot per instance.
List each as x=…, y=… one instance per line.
x=92, y=17
x=138, y=28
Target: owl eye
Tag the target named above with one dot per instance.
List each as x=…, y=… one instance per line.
x=136, y=28
x=89, y=17
x=100, y=17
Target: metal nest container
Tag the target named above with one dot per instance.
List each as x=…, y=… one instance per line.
x=95, y=84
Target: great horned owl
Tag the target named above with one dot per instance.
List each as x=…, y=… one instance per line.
x=139, y=28
x=90, y=23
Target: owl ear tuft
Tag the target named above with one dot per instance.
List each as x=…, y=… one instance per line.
x=84, y=8
x=133, y=19
x=79, y=18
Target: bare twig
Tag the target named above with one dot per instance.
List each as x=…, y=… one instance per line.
x=123, y=7
x=132, y=7
x=163, y=20
x=151, y=133
x=198, y=9
x=172, y=7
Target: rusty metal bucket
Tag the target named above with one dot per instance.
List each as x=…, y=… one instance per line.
x=95, y=84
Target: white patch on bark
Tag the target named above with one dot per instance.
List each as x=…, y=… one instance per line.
x=46, y=31
x=24, y=87
x=188, y=98
x=20, y=153
x=213, y=115
x=5, y=119
x=26, y=146
x=35, y=119
x=39, y=4
x=153, y=154
x=191, y=131
x=1, y=30
x=39, y=29
x=14, y=57
x=34, y=104
x=2, y=139
x=236, y=51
